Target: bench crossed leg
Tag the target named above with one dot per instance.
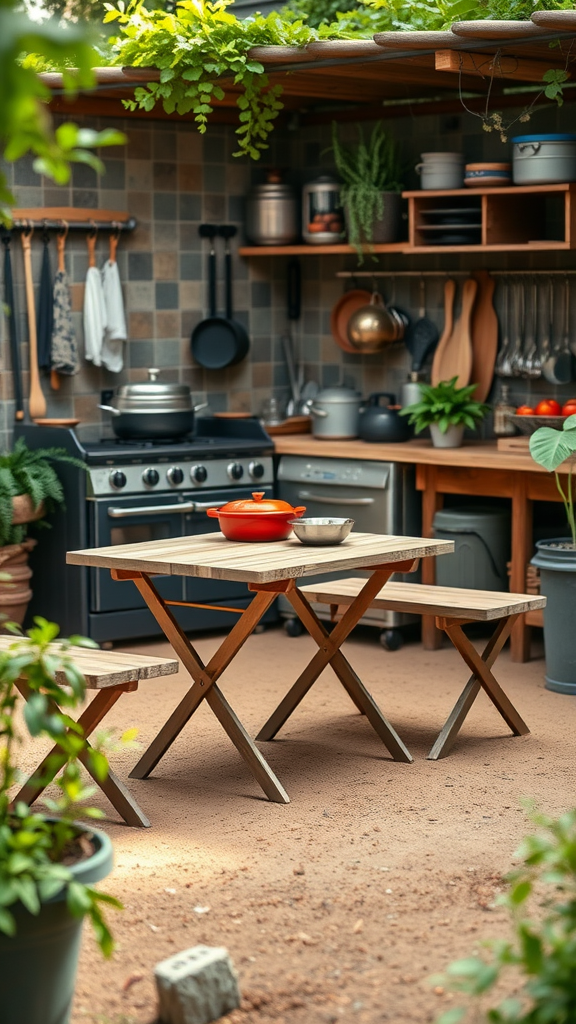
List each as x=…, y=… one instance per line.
x=117, y=793
x=329, y=653
x=482, y=678
x=204, y=688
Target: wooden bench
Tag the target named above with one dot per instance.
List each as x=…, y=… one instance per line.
x=452, y=607
x=111, y=674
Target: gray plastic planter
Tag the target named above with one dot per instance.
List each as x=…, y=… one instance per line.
x=558, y=584
x=38, y=964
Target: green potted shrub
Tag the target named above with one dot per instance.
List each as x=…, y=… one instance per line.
x=371, y=187
x=48, y=862
x=539, y=961
x=29, y=490
x=556, y=560
x=447, y=410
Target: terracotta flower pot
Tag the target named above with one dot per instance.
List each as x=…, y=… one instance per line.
x=15, y=574
x=23, y=510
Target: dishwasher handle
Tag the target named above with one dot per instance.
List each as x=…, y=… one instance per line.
x=148, y=510
x=308, y=496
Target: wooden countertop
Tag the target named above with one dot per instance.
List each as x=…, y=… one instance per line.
x=480, y=454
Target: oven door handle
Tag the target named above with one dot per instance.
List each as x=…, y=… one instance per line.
x=307, y=496
x=149, y=510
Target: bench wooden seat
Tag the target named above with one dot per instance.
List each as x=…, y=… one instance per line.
x=110, y=673
x=453, y=607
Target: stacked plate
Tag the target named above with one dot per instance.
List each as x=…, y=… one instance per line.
x=487, y=175
x=452, y=225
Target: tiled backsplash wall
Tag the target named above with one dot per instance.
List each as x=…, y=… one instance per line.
x=171, y=179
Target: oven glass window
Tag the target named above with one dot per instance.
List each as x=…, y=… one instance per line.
x=139, y=533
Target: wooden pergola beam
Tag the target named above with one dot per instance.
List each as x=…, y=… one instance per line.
x=488, y=65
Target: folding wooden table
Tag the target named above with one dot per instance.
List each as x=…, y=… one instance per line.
x=269, y=569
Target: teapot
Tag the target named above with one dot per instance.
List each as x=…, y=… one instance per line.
x=381, y=422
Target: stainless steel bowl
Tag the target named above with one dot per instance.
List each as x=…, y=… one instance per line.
x=321, y=531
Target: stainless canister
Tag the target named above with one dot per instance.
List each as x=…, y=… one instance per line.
x=272, y=214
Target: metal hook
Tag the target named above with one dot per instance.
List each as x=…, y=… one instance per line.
x=63, y=231
x=93, y=233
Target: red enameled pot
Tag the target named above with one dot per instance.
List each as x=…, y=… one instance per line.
x=256, y=518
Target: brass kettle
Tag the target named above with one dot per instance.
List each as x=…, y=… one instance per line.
x=372, y=327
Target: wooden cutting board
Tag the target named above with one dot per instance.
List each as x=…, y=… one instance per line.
x=449, y=295
x=484, y=336
x=454, y=359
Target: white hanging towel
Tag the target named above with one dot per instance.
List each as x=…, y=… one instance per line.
x=94, y=317
x=115, y=334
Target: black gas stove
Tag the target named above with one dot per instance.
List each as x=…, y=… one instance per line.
x=134, y=491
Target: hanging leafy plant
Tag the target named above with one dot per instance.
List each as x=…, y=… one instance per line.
x=367, y=170
x=200, y=49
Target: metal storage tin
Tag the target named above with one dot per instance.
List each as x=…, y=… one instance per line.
x=543, y=159
x=272, y=214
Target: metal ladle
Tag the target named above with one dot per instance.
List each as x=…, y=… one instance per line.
x=532, y=364
x=502, y=367
x=516, y=360
x=558, y=367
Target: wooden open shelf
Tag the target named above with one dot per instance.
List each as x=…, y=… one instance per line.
x=511, y=218
x=316, y=250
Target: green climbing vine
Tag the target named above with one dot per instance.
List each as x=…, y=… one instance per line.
x=201, y=50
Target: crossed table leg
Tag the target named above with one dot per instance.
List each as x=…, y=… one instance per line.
x=482, y=678
x=205, y=676
x=117, y=793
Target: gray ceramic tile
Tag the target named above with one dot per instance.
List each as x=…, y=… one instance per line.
x=140, y=266
x=190, y=266
x=166, y=295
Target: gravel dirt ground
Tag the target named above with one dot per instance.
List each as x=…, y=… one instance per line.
x=340, y=905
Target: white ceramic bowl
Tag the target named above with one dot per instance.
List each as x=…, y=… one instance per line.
x=321, y=531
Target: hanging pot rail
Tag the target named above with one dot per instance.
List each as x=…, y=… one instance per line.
x=354, y=274
x=53, y=218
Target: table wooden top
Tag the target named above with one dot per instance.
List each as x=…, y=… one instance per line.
x=472, y=454
x=211, y=556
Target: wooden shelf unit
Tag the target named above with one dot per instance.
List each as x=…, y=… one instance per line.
x=512, y=218
x=317, y=250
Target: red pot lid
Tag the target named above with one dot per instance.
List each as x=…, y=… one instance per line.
x=257, y=503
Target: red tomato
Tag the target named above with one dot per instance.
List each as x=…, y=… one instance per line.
x=548, y=407
x=524, y=410
x=569, y=408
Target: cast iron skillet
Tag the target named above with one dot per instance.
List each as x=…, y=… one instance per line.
x=219, y=341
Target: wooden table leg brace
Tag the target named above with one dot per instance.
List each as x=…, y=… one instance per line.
x=329, y=653
x=482, y=678
x=204, y=686
x=117, y=793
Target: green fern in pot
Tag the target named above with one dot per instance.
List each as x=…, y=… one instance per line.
x=371, y=175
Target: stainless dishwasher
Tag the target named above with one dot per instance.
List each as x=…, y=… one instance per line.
x=381, y=497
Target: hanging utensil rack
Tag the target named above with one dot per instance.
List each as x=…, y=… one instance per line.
x=53, y=218
x=357, y=274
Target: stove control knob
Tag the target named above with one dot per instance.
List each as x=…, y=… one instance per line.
x=256, y=470
x=175, y=475
x=117, y=479
x=150, y=477
x=199, y=474
x=235, y=471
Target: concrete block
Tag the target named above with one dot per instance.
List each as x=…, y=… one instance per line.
x=196, y=986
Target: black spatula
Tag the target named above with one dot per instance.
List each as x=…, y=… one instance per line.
x=422, y=336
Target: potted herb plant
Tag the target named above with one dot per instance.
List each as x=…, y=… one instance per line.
x=539, y=961
x=48, y=863
x=447, y=410
x=371, y=186
x=29, y=490
x=556, y=560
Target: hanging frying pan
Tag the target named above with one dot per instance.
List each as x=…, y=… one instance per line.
x=219, y=341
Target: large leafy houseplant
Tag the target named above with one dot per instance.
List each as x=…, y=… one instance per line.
x=48, y=861
x=445, y=405
x=367, y=171
x=550, y=448
x=28, y=472
x=541, y=955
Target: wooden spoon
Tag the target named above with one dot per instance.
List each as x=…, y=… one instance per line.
x=449, y=295
x=36, y=401
x=484, y=336
x=456, y=356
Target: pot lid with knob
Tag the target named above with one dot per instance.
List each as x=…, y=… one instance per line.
x=259, y=504
x=337, y=395
x=153, y=395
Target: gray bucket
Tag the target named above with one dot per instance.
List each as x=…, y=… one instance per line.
x=481, y=547
x=557, y=567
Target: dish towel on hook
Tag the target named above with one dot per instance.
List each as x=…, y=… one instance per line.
x=64, y=347
x=115, y=334
x=94, y=317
